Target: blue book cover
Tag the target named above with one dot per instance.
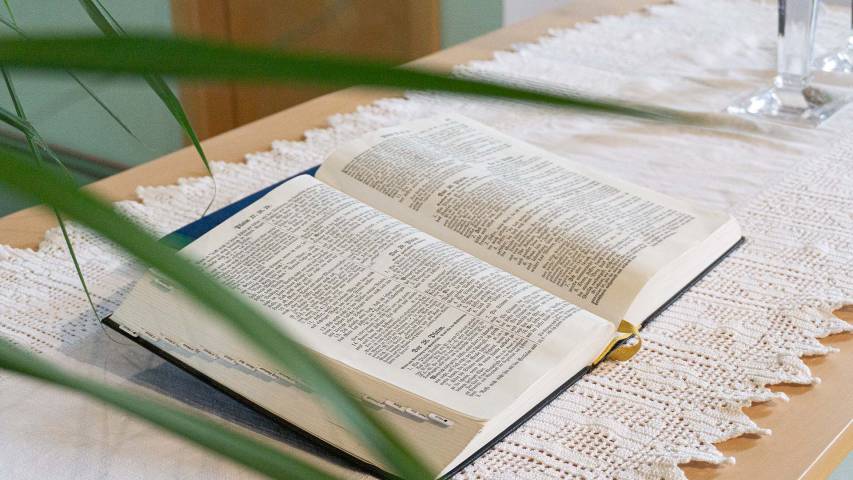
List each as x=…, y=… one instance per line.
x=190, y=232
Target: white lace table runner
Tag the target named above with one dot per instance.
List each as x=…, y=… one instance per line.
x=744, y=326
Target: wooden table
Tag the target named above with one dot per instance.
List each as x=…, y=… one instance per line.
x=811, y=434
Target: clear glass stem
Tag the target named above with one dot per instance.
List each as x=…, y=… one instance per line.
x=797, y=21
x=791, y=99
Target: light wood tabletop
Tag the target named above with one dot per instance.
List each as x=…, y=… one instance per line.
x=811, y=434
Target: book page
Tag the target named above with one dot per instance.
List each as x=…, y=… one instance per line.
x=376, y=294
x=585, y=237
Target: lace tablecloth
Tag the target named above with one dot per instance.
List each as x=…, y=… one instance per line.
x=744, y=326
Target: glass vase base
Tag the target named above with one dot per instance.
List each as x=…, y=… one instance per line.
x=806, y=107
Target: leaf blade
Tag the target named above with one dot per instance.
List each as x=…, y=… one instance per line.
x=35, y=142
x=110, y=27
x=13, y=26
x=237, y=447
x=197, y=59
x=247, y=320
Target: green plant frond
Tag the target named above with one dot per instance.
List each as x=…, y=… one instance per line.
x=18, y=120
x=38, y=145
x=111, y=28
x=14, y=26
x=109, y=16
x=9, y=9
x=14, y=121
x=243, y=317
x=107, y=109
x=238, y=447
x=97, y=16
x=33, y=137
x=35, y=142
x=199, y=59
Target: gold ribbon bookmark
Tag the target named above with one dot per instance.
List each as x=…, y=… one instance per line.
x=624, y=351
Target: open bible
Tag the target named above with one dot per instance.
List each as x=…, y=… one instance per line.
x=453, y=277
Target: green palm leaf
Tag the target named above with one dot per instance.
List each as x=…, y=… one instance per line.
x=141, y=55
x=37, y=145
x=52, y=189
x=240, y=448
x=110, y=27
x=13, y=26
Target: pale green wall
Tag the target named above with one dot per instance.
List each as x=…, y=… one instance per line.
x=66, y=115
x=465, y=19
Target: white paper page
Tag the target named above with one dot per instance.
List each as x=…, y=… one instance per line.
x=585, y=237
x=374, y=293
